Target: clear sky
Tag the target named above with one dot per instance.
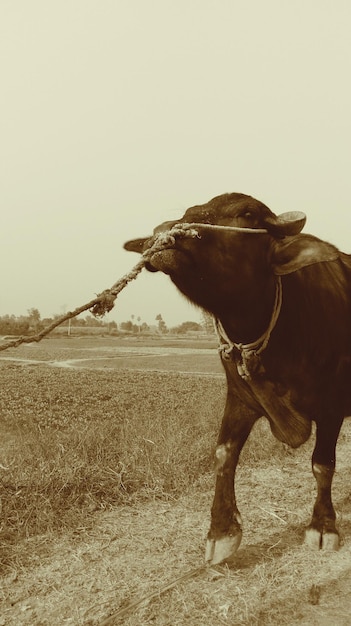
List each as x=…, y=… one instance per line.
x=117, y=115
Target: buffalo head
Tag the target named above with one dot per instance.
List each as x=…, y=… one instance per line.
x=220, y=269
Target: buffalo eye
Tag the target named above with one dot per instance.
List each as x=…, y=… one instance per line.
x=246, y=218
x=246, y=215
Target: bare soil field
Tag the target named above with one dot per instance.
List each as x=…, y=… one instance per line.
x=155, y=354
x=106, y=484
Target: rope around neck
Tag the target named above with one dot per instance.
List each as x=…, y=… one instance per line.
x=248, y=351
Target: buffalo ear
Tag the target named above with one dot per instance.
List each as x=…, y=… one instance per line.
x=136, y=245
x=292, y=254
x=286, y=224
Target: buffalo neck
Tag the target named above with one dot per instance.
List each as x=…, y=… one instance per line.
x=246, y=319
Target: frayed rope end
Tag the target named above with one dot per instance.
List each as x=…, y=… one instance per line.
x=105, y=304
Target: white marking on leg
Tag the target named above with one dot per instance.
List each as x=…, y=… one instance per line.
x=221, y=456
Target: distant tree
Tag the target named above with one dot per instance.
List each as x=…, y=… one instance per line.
x=127, y=326
x=34, y=319
x=161, y=324
x=186, y=327
x=11, y=325
x=46, y=321
x=6, y=324
x=34, y=315
x=32, y=323
x=78, y=321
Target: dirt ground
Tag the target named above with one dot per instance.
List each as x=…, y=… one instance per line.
x=126, y=554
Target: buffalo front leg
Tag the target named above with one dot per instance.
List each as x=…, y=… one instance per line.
x=322, y=532
x=224, y=536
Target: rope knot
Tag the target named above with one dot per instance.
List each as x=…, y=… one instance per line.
x=104, y=305
x=249, y=365
x=165, y=239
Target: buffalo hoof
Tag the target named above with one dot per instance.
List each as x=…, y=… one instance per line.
x=223, y=549
x=316, y=540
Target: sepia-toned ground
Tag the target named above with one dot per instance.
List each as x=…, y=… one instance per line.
x=111, y=552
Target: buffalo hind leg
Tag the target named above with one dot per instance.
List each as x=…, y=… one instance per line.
x=322, y=532
x=225, y=533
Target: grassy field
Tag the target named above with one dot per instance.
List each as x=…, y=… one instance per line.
x=76, y=440
x=106, y=485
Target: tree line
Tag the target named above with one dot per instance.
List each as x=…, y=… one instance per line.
x=33, y=323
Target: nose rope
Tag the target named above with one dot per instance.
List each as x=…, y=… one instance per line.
x=168, y=237
x=195, y=225
x=104, y=301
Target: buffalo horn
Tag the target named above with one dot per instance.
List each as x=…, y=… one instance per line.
x=286, y=224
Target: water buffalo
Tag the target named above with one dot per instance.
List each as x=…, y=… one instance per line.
x=281, y=301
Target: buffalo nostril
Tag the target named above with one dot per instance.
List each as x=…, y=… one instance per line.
x=149, y=267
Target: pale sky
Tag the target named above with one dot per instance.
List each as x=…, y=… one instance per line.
x=117, y=115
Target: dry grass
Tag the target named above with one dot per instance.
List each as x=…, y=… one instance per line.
x=77, y=441
x=74, y=442
x=86, y=575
